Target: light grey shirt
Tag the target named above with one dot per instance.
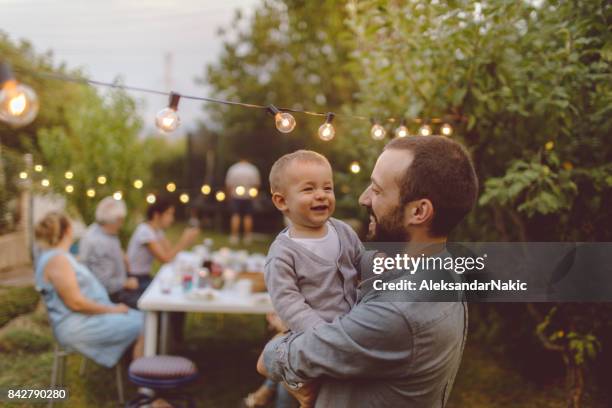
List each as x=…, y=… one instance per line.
x=102, y=254
x=380, y=354
x=139, y=256
x=307, y=289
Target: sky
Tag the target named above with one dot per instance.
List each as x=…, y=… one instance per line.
x=129, y=39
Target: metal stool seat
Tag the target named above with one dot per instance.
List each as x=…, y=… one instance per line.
x=163, y=374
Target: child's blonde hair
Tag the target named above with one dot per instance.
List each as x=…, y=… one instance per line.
x=280, y=166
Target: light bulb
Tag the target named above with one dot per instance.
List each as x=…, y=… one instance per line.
x=446, y=129
x=425, y=130
x=206, y=189
x=401, y=131
x=101, y=179
x=184, y=198
x=18, y=102
x=171, y=187
x=326, y=130
x=378, y=132
x=69, y=188
x=23, y=175
x=91, y=193
x=38, y=168
x=220, y=196
x=355, y=167
x=285, y=122
x=253, y=192
x=167, y=120
x=69, y=175
x=138, y=184
x=45, y=183
x=151, y=199
x=240, y=190
x=117, y=195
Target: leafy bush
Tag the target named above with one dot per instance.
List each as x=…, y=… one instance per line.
x=16, y=301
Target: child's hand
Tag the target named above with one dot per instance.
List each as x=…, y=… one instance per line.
x=276, y=323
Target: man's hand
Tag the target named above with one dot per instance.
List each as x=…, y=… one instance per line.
x=306, y=395
x=131, y=283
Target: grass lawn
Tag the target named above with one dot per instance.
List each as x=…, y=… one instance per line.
x=225, y=349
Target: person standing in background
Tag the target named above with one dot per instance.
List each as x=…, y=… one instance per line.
x=241, y=180
x=100, y=250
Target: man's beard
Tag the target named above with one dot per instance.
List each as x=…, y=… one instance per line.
x=389, y=228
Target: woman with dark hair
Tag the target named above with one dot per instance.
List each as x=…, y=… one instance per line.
x=148, y=241
x=81, y=314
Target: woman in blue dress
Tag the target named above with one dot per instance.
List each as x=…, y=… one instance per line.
x=82, y=316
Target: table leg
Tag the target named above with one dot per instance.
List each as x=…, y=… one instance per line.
x=150, y=340
x=164, y=329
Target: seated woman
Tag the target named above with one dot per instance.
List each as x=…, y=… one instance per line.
x=81, y=314
x=148, y=241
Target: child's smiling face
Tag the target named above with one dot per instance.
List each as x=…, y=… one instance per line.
x=308, y=193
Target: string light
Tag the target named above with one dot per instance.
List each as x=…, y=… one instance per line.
x=38, y=168
x=151, y=199
x=69, y=175
x=206, y=189
x=23, y=175
x=446, y=129
x=91, y=193
x=326, y=130
x=402, y=130
x=69, y=188
x=184, y=198
x=355, y=167
x=284, y=121
x=171, y=187
x=18, y=102
x=378, y=132
x=167, y=119
x=425, y=130
x=101, y=179
x=240, y=190
x=138, y=184
x=117, y=195
x=45, y=183
x=253, y=192
x=220, y=196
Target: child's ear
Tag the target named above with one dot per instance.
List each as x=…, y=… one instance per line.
x=279, y=201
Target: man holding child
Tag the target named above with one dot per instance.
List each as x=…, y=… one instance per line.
x=349, y=346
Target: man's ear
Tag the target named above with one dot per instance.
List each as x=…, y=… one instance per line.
x=419, y=212
x=279, y=201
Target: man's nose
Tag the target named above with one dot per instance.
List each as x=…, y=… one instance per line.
x=364, y=198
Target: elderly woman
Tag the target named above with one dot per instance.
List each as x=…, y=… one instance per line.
x=100, y=250
x=81, y=314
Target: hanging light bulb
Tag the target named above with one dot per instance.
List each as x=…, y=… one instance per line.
x=18, y=102
x=23, y=175
x=402, y=130
x=101, y=179
x=138, y=184
x=91, y=193
x=240, y=190
x=171, y=187
x=425, y=130
x=69, y=188
x=446, y=129
x=220, y=196
x=378, y=132
x=69, y=175
x=45, y=183
x=355, y=167
x=117, y=195
x=167, y=119
x=38, y=168
x=253, y=192
x=151, y=198
x=326, y=130
x=184, y=198
x=284, y=121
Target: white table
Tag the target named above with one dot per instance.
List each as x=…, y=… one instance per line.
x=156, y=304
